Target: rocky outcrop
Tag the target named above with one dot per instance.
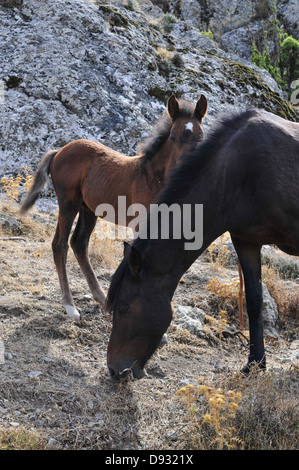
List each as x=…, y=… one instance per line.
x=288, y=11
x=76, y=68
x=237, y=24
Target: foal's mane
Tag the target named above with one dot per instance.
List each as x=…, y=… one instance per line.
x=161, y=130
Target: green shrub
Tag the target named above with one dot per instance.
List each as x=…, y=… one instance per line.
x=168, y=21
x=289, y=60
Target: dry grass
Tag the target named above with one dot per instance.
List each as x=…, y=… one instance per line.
x=72, y=404
x=21, y=439
x=259, y=413
x=285, y=295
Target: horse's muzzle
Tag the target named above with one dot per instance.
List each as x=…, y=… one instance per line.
x=117, y=375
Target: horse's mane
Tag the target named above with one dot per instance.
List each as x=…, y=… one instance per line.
x=192, y=164
x=161, y=130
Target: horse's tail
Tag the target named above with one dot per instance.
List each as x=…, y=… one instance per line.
x=41, y=179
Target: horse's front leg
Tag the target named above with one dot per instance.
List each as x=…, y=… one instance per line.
x=250, y=258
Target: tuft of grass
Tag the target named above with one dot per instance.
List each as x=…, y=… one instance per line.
x=225, y=296
x=256, y=413
x=14, y=185
x=286, y=296
x=168, y=21
x=216, y=418
x=218, y=251
x=21, y=439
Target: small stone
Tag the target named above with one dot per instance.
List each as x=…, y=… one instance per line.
x=184, y=382
x=52, y=442
x=156, y=370
x=34, y=374
x=47, y=359
x=2, y=352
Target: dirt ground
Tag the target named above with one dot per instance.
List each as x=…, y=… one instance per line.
x=54, y=378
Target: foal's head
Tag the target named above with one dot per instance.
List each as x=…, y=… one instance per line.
x=175, y=134
x=186, y=131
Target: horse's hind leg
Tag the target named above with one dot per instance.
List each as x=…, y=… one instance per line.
x=79, y=243
x=60, y=249
x=250, y=259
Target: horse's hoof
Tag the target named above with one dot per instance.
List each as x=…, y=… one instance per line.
x=257, y=366
x=72, y=312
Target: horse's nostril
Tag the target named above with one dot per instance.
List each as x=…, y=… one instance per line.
x=112, y=372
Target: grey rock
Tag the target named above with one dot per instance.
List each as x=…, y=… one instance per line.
x=270, y=314
x=77, y=69
x=289, y=11
x=189, y=318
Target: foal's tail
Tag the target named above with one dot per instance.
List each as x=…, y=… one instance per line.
x=41, y=179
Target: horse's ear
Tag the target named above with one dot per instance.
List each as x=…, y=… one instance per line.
x=127, y=249
x=135, y=261
x=201, y=108
x=173, y=107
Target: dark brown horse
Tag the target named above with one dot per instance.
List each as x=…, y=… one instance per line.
x=86, y=174
x=246, y=176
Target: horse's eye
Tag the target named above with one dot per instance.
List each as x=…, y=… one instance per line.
x=124, y=310
x=172, y=136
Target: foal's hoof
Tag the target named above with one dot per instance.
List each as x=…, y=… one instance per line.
x=72, y=312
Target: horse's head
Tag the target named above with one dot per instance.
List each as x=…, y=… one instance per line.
x=141, y=315
x=186, y=131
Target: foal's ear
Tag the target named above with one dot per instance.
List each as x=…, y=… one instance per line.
x=135, y=261
x=201, y=108
x=173, y=107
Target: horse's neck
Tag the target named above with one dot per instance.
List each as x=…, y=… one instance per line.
x=172, y=257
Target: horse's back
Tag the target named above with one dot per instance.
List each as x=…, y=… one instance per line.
x=84, y=150
x=262, y=174
x=266, y=146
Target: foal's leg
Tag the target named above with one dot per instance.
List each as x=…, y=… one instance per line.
x=66, y=217
x=250, y=259
x=79, y=243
